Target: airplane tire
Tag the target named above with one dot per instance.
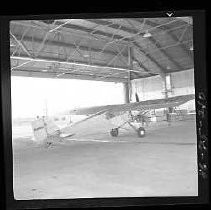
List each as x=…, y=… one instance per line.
x=114, y=132
x=141, y=132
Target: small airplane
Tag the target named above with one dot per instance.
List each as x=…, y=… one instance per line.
x=122, y=114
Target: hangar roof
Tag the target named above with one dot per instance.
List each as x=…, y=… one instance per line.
x=115, y=49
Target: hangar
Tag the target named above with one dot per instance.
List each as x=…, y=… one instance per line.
x=152, y=58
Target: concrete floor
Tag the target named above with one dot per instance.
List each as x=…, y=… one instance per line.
x=164, y=163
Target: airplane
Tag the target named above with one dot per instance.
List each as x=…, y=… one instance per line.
x=119, y=115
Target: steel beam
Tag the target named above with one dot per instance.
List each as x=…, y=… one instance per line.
x=141, y=51
x=20, y=39
x=20, y=65
x=115, y=57
x=56, y=43
x=97, y=26
x=135, y=33
x=40, y=74
x=53, y=60
x=114, y=25
x=166, y=28
x=118, y=27
x=143, y=67
x=20, y=43
x=120, y=38
x=77, y=49
x=59, y=26
x=42, y=44
x=88, y=30
x=129, y=30
x=134, y=43
x=168, y=46
x=188, y=20
x=76, y=33
x=183, y=33
x=165, y=53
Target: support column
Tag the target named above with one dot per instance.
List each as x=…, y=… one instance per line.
x=166, y=91
x=165, y=87
x=130, y=66
x=126, y=93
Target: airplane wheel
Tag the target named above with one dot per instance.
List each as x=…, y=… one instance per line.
x=114, y=132
x=141, y=132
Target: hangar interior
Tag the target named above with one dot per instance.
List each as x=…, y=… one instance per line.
x=117, y=50
x=152, y=57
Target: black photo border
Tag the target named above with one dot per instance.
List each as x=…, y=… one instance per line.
x=199, y=39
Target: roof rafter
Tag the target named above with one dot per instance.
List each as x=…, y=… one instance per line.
x=160, y=68
x=133, y=31
x=177, y=64
x=62, y=61
x=114, y=25
x=60, y=44
x=142, y=66
x=22, y=72
x=164, y=28
x=98, y=32
x=42, y=26
x=19, y=42
x=81, y=28
x=123, y=28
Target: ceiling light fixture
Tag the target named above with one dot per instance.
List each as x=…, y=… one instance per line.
x=86, y=55
x=147, y=34
x=191, y=48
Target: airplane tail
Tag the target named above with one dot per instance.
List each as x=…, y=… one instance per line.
x=44, y=128
x=137, y=97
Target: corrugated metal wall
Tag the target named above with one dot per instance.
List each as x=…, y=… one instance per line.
x=153, y=87
x=148, y=88
x=183, y=82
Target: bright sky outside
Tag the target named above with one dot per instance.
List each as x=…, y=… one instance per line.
x=30, y=95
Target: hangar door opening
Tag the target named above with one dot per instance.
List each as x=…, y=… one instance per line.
x=53, y=98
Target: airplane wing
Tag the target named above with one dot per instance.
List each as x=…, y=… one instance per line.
x=120, y=109
x=136, y=106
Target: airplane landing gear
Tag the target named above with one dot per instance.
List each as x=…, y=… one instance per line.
x=141, y=132
x=114, y=132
